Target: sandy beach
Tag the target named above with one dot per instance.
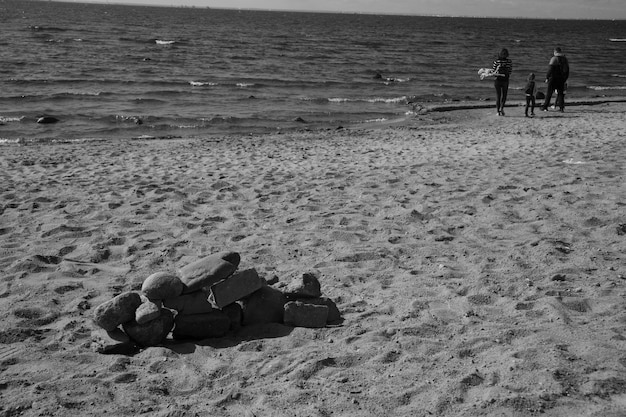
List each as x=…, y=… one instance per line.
x=478, y=263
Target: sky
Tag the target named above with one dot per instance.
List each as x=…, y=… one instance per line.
x=551, y=9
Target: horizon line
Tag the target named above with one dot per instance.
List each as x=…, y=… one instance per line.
x=118, y=3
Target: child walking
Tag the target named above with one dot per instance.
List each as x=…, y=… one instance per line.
x=530, y=91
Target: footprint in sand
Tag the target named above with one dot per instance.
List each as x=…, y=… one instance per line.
x=35, y=317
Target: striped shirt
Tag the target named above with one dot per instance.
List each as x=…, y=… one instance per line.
x=503, y=66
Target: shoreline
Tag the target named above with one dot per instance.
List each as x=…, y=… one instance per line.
x=415, y=112
x=521, y=103
x=477, y=262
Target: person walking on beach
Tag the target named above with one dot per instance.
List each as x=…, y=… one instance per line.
x=502, y=67
x=556, y=77
x=530, y=89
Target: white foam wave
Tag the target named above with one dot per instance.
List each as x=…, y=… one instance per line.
x=83, y=93
x=368, y=100
x=244, y=85
x=603, y=88
x=200, y=83
x=162, y=42
x=5, y=119
x=5, y=141
x=396, y=80
x=387, y=100
x=339, y=100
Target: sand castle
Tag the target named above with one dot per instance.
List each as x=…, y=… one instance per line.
x=206, y=299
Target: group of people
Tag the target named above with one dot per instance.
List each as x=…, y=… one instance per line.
x=556, y=78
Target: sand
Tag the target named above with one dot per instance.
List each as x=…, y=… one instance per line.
x=478, y=262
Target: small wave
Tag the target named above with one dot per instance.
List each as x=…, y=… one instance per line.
x=37, y=28
x=402, y=99
x=387, y=100
x=152, y=137
x=162, y=42
x=76, y=93
x=244, y=85
x=617, y=39
x=603, y=88
x=618, y=75
x=131, y=119
x=200, y=83
x=24, y=141
x=153, y=100
x=391, y=80
x=219, y=119
x=6, y=141
x=6, y=119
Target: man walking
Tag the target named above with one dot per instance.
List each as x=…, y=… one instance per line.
x=558, y=73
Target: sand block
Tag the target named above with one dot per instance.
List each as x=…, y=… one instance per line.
x=114, y=342
x=208, y=270
x=201, y=326
x=153, y=332
x=306, y=285
x=148, y=311
x=266, y=305
x=117, y=310
x=334, y=315
x=193, y=303
x=235, y=287
x=162, y=285
x=299, y=314
x=235, y=314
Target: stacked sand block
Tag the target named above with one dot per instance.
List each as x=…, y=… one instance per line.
x=206, y=299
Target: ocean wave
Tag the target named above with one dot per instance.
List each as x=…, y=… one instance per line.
x=128, y=119
x=220, y=119
x=9, y=119
x=201, y=83
x=162, y=42
x=66, y=94
x=153, y=137
x=245, y=85
x=387, y=100
x=391, y=80
x=7, y=141
x=604, y=88
x=37, y=28
x=47, y=140
x=57, y=96
x=142, y=100
x=618, y=75
x=335, y=100
x=402, y=99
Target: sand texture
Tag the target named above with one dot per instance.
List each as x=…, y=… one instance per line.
x=478, y=263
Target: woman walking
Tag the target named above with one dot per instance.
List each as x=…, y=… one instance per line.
x=502, y=67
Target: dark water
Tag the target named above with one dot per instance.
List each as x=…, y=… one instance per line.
x=109, y=71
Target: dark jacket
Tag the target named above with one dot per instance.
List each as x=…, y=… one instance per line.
x=558, y=69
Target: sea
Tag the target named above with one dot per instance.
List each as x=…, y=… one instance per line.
x=110, y=71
